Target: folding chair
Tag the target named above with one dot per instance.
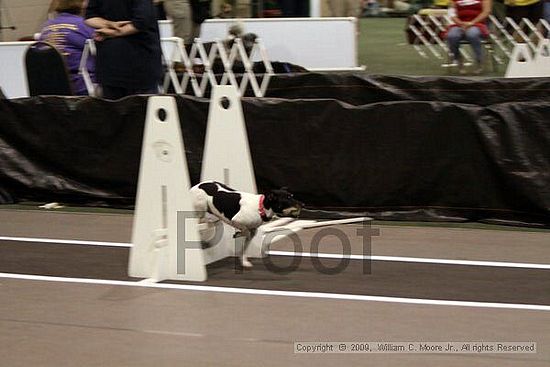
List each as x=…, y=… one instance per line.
x=47, y=72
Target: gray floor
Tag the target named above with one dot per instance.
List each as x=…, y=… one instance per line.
x=45, y=323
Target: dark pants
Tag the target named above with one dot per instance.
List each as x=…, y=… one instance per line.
x=294, y=8
x=161, y=13
x=110, y=92
x=532, y=12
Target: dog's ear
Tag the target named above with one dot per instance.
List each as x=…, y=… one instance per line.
x=270, y=198
x=270, y=195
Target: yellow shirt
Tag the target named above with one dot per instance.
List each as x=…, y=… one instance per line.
x=519, y=2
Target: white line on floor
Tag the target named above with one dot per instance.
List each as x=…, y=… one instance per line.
x=502, y=264
x=65, y=242
x=266, y=292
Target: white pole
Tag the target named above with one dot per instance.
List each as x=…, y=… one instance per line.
x=315, y=8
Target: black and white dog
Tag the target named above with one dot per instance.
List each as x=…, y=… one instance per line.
x=241, y=210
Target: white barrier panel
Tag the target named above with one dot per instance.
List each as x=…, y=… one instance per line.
x=521, y=63
x=163, y=190
x=227, y=159
x=541, y=61
x=314, y=43
x=166, y=28
x=226, y=151
x=166, y=246
x=13, y=76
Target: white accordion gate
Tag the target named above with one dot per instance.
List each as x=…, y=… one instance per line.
x=174, y=53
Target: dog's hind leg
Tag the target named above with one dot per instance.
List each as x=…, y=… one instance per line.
x=241, y=251
x=200, y=203
x=244, y=259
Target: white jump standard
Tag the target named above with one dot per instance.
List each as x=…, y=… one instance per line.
x=170, y=246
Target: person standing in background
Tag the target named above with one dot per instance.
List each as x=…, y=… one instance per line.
x=530, y=9
x=343, y=8
x=180, y=13
x=128, y=46
x=68, y=33
x=294, y=8
x=159, y=5
x=201, y=10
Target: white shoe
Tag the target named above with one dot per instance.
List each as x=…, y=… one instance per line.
x=479, y=69
x=461, y=68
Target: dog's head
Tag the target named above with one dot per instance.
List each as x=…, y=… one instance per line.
x=282, y=202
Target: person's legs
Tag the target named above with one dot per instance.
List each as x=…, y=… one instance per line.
x=154, y=89
x=180, y=13
x=335, y=8
x=161, y=14
x=536, y=11
x=115, y=92
x=454, y=36
x=352, y=8
x=473, y=36
x=196, y=31
x=302, y=8
x=517, y=13
x=287, y=8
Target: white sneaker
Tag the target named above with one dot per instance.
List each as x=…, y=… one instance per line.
x=479, y=69
x=460, y=65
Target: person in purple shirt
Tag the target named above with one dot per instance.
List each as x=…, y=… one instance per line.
x=68, y=33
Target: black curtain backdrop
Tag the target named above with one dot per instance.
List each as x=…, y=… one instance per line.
x=389, y=147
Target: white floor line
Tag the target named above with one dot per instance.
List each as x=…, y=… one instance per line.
x=502, y=264
x=65, y=242
x=266, y=292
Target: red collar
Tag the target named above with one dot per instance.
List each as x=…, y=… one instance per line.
x=261, y=209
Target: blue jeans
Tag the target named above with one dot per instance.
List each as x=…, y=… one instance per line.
x=472, y=35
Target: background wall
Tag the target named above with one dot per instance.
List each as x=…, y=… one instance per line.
x=26, y=15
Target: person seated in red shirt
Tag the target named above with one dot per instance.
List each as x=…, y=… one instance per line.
x=469, y=24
